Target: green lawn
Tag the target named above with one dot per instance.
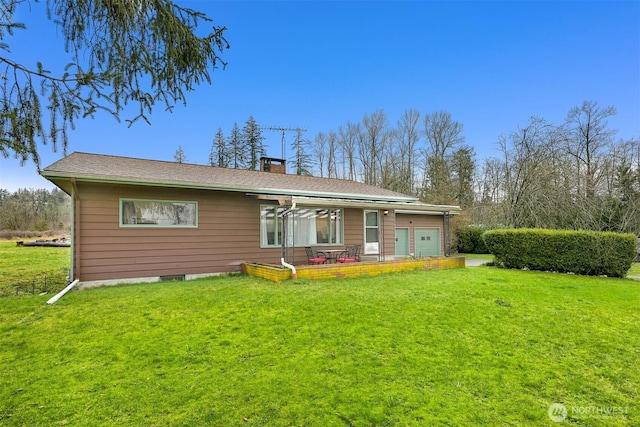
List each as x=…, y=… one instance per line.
x=32, y=269
x=475, y=346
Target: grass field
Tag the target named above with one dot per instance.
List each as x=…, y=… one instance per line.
x=475, y=346
x=28, y=270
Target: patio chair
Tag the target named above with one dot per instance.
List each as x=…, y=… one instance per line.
x=352, y=254
x=314, y=257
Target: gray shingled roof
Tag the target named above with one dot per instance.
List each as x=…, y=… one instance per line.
x=126, y=170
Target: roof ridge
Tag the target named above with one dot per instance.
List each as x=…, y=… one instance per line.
x=140, y=171
x=233, y=170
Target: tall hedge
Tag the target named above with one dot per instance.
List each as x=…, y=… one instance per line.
x=469, y=240
x=581, y=252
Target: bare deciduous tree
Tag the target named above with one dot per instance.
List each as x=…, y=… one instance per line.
x=526, y=153
x=443, y=135
x=588, y=136
x=332, y=155
x=407, y=138
x=319, y=149
x=348, y=137
x=372, y=145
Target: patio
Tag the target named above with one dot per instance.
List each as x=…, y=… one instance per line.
x=278, y=273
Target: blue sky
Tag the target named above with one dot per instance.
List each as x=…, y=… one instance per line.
x=317, y=65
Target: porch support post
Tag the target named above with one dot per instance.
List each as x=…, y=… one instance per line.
x=283, y=243
x=447, y=245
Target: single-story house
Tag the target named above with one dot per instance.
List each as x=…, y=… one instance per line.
x=143, y=220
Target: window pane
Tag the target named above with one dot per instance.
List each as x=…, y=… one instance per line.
x=322, y=226
x=336, y=226
x=304, y=226
x=268, y=226
x=304, y=229
x=371, y=235
x=371, y=219
x=128, y=212
x=158, y=213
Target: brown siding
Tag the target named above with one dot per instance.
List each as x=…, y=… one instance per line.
x=413, y=221
x=353, y=227
x=388, y=234
x=228, y=234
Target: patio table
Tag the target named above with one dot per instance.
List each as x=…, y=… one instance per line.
x=331, y=254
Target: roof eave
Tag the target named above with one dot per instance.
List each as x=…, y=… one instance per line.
x=52, y=175
x=399, y=206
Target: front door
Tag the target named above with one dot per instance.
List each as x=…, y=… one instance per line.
x=427, y=242
x=371, y=235
x=402, y=241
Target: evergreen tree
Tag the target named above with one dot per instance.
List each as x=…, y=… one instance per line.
x=301, y=159
x=462, y=174
x=253, y=141
x=180, y=155
x=219, y=155
x=237, y=152
x=119, y=54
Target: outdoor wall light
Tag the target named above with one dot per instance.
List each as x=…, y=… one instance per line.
x=385, y=212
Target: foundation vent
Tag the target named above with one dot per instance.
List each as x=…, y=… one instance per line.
x=173, y=278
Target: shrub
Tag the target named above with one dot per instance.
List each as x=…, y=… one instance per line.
x=581, y=252
x=469, y=240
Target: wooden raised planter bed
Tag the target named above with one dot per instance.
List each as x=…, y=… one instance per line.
x=278, y=273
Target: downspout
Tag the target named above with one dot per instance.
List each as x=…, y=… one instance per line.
x=72, y=265
x=60, y=294
x=74, y=270
x=294, y=273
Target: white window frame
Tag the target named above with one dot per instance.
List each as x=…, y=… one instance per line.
x=336, y=227
x=137, y=224
x=371, y=248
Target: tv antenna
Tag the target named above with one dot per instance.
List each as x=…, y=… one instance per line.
x=284, y=130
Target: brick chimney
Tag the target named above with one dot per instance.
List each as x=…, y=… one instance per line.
x=270, y=164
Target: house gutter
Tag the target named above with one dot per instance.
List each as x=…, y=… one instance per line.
x=412, y=207
x=51, y=175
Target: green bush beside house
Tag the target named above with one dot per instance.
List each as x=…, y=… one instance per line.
x=469, y=240
x=580, y=252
